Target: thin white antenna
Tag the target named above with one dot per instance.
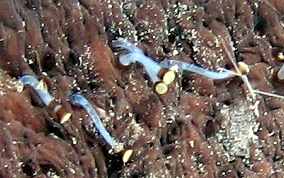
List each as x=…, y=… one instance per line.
x=243, y=77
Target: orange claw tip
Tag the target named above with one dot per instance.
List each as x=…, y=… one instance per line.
x=243, y=67
x=279, y=56
x=60, y=111
x=63, y=115
x=168, y=76
x=126, y=155
x=160, y=88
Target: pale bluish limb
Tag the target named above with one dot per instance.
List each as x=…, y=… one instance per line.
x=41, y=92
x=135, y=54
x=82, y=101
x=180, y=65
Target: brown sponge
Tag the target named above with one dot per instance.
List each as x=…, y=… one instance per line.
x=198, y=128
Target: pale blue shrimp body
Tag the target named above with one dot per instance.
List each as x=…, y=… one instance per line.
x=180, y=65
x=41, y=92
x=135, y=54
x=151, y=66
x=82, y=101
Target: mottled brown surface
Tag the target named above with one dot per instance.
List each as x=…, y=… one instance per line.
x=199, y=128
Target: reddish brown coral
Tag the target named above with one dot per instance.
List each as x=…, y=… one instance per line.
x=196, y=129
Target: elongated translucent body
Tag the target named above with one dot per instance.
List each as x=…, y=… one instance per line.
x=41, y=92
x=82, y=101
x=180, y=65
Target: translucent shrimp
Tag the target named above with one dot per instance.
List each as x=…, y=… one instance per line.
x=46, y=98
x=180, y=65
x=42, y=93
x=79, y=99
x=160, y=76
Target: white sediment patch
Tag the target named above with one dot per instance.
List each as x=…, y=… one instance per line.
x=238, y=129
